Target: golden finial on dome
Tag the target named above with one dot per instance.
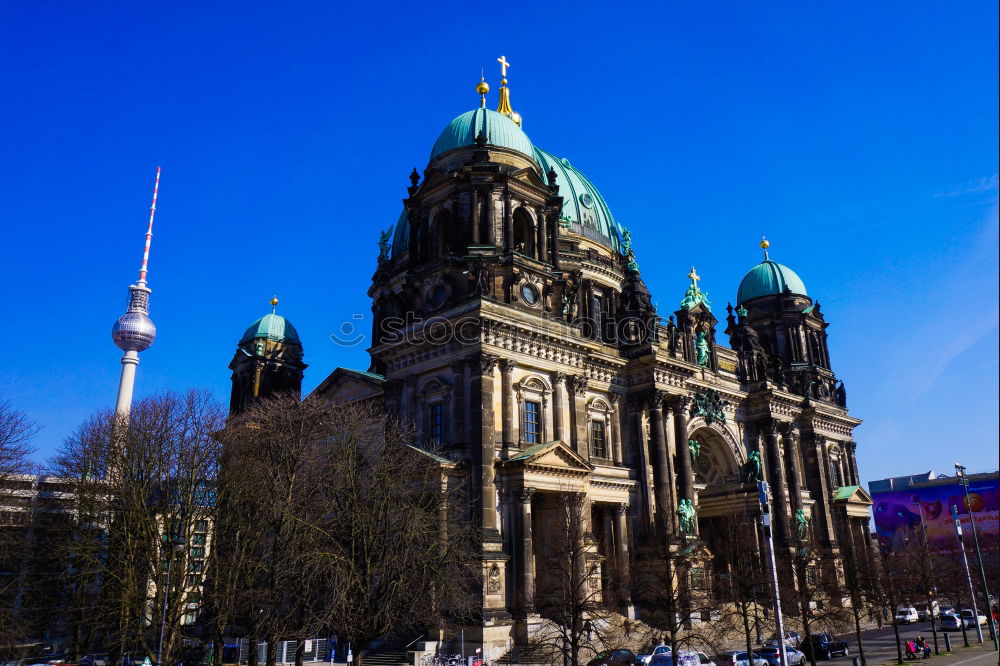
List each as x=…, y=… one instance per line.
x=764, y=244
x=274, y=303
x=504, y=107
x=482, y=88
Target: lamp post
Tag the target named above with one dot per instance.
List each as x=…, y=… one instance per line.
x=176, y=546
x=765, y=516
x=963, y=478
x=968, y=578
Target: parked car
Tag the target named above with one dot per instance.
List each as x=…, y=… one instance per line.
x=647, y=657
x=825, y=646
x=926, y=613
x=792, y=656
x=973, y=618
x=946, y=609
x=739, y=658
x=907, y=614
x=621, y=657
x=952, y=622
x=792, y=638
x=684, y=658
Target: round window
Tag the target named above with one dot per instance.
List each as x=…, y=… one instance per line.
x=529, y=293
x=587, y=200
x=437, y=296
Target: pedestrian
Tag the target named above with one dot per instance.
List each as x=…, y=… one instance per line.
x=911, y=650
x=924, y=647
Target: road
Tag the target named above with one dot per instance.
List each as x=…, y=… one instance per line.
x=880, y=646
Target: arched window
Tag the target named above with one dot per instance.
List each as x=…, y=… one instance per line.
x=444, y=241
x=524, y=236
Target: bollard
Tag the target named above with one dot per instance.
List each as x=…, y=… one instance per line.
x=857, y=661
x=947, y=642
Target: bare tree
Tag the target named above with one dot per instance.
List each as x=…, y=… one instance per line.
x=672, y=588
x=814, y=590
x=573, y=588
x=740, y=584
x=16, y=432
x=144, y=504
x=334, y=521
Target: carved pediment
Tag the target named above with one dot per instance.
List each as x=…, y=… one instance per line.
x=554, y=456
x=344, y=386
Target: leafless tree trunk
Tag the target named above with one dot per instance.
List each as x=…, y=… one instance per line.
x=144, y=489
x=331, y=518
x=16, y=431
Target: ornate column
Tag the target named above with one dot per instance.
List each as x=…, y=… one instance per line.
x=526, y=558
x=614, y=430
x=852, y=460
x=474, y=209
x=608, y=529
x=559, y=407
x=508, y=222
x=543, y=236
x=554, y=230
x=776, y=478
x=622, y=550
x=481, y=395
x=661, y=471
x=790, y=442
x=507, y=398
x=458, y=401
x=580, y=438
x=685, y=473
x=488, y=215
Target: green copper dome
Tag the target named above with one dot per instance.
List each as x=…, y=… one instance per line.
x=583, y=206
x=768, y=278
x=498, y=129
x=272, y=327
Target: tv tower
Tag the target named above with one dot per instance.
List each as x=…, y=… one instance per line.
x=134, y=331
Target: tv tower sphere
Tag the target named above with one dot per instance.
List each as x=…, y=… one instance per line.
x=134, y=331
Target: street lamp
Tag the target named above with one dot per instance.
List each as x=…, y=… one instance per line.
x=176, y=546
x=963, y=478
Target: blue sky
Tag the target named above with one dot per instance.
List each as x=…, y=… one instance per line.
x=860, y=137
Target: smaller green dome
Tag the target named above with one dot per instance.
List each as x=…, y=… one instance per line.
x=272, y=327
x=498, y=129
x=768, y=278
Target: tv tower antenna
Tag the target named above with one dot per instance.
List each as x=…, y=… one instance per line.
x=134, y=331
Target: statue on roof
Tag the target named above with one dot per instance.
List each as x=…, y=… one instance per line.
x=693, y=296
x=703, y=353
x=383, y=244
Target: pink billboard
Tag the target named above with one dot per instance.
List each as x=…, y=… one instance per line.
x=900, y=513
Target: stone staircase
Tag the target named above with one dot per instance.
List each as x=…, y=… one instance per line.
x=390, y=653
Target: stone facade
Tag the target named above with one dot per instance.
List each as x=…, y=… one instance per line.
x=523, y=344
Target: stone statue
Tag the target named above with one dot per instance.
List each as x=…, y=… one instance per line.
x=695, y=447
x=260, y=348
x=628, y=252
x=801, y=525
x=685, y=514
x=569, y=297
x=710, y=405
x=702, y=354
x=383, y=244
x=841, y=394
x=693, y=296
x=752, y=467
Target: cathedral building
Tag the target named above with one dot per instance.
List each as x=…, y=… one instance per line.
x=513, y=329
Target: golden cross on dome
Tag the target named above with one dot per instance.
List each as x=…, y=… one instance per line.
x=694, y=277
x=503, y=65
